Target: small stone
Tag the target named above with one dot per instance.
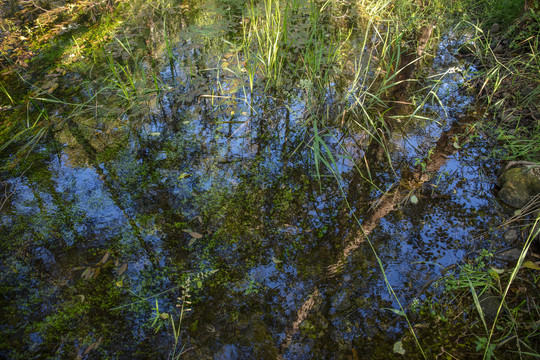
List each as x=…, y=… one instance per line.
x=510, y=255
x=510, y=235
x=526, y=90
x=227, y=352
x=518, y=185
x=490, y=304
x=495, y=28
x=498, y=49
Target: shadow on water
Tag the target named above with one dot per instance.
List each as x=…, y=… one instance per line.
x=101, y=237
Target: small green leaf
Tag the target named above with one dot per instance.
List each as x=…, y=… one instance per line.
x=456, y=145
x=199, y=284
x=396, y=311
x=493, y=274
x=191, y=242
x=414, y=199
x=183, y=176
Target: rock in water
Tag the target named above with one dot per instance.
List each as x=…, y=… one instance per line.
x=227, y=352
x=519, y=185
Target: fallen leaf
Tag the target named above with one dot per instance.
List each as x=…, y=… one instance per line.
x=531, y=265
x=195, y=235
x=87, y=274
x=398, y=348
x=90, y=348
x=103, y=259
x=122, y=269
x=414, y=199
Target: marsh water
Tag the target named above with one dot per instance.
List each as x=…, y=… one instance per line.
x=222, y=195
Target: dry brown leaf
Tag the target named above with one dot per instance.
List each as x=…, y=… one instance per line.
x=122, y=269
x=90, y=348
x=104, y=259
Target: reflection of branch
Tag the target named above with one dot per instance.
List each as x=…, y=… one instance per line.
x=385, y=205
x=12, y=190
x=7, y=196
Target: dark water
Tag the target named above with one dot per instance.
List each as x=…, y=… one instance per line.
x=111, y=216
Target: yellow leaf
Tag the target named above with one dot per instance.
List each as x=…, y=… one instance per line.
x=531, y=265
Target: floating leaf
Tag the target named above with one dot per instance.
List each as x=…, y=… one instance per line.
x=155, y=134
x=531, y=265
x=191, y=242
x=122, y=269
x=103, y=259
x=396, y=311
x=88, y=273
x=164, y=315
x=195, y=235
x=276, y=260
x=398, y=348
x=119, y=283
x=414, y=199
x=94, y=345
x=90, y=348
x=183, y=176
